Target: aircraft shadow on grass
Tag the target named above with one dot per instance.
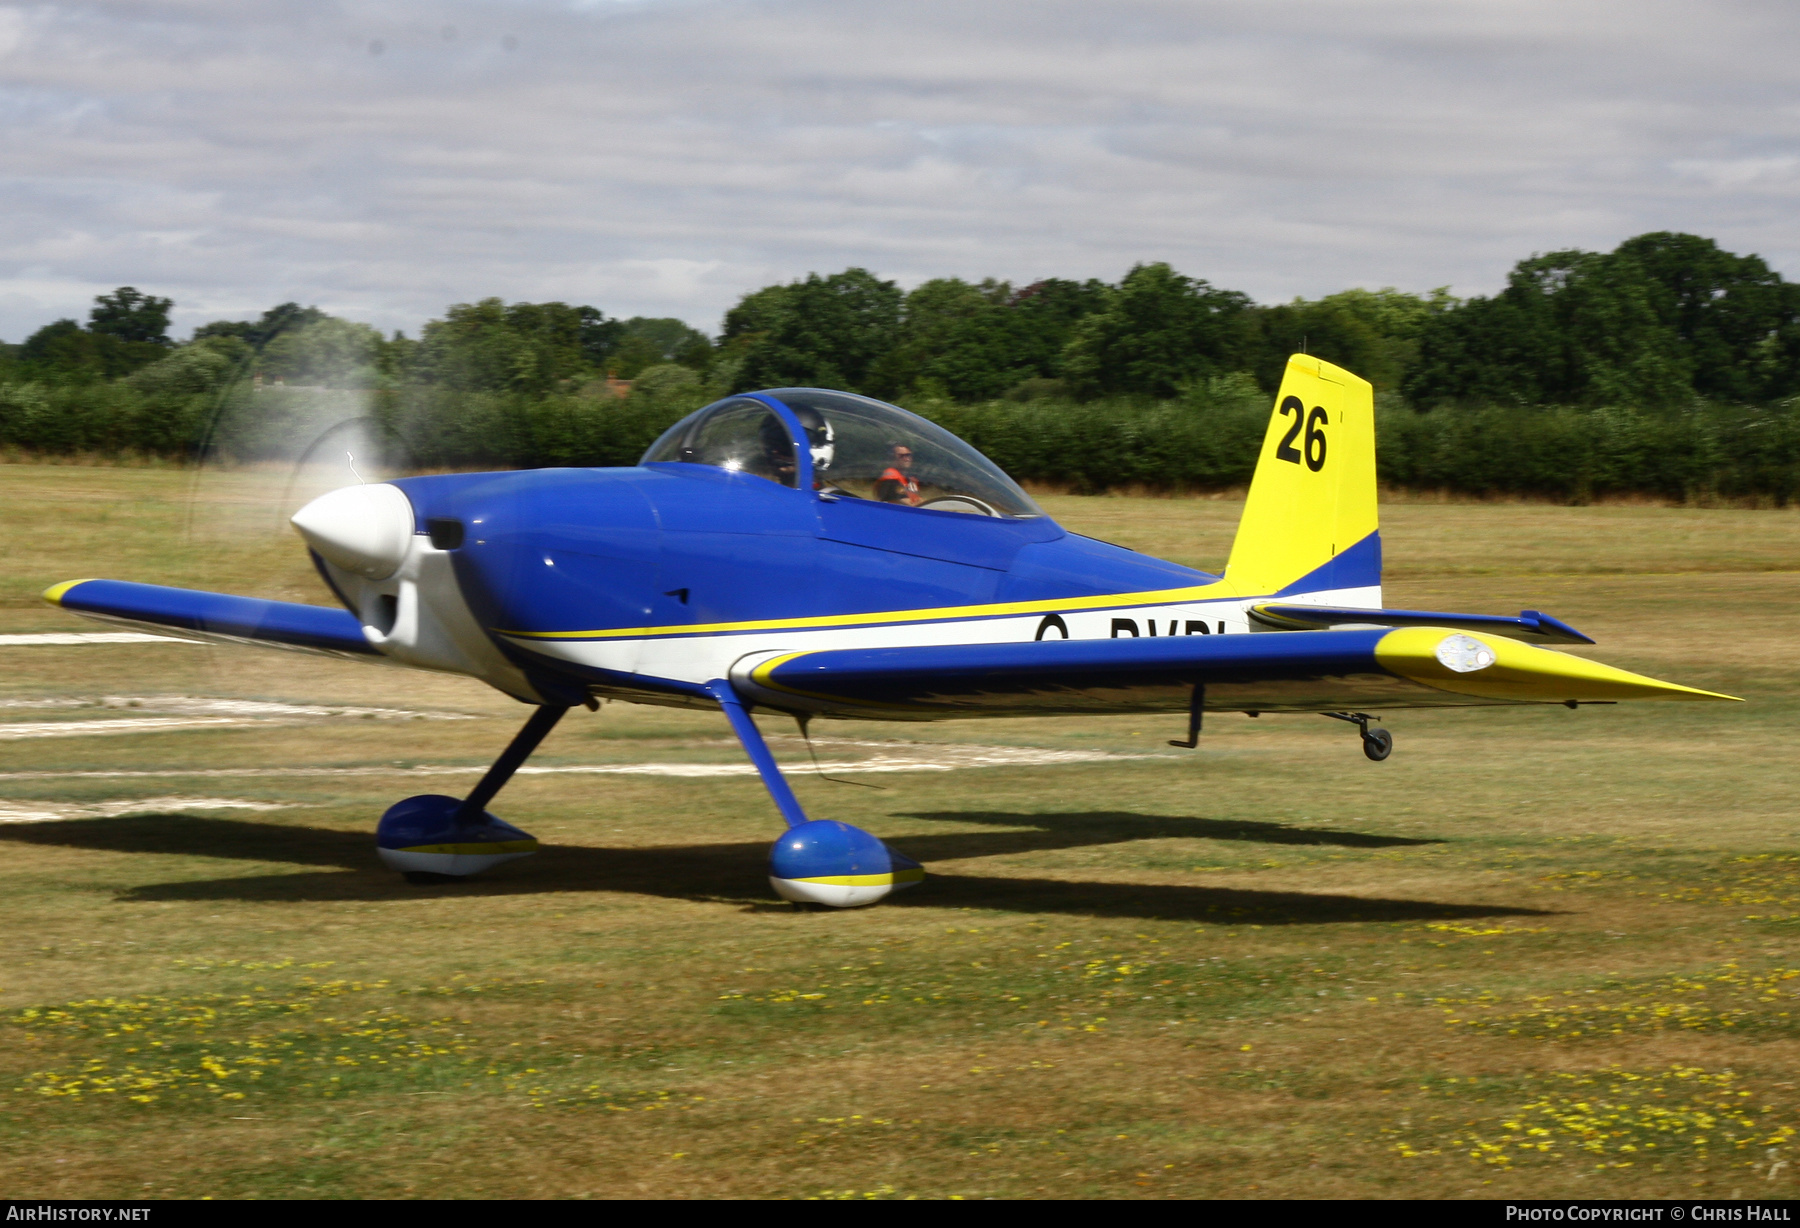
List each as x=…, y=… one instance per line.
x=734, y=872
x=1119, y=826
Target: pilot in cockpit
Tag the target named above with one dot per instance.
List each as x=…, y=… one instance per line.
x=821, y=442
x=897, y=483
x=778, y=450
x=858, y=448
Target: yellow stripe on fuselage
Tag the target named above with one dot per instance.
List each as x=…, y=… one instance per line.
x=1215, y=591
x=897, y=877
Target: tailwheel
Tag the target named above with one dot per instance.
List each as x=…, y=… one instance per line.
x=1377, y=744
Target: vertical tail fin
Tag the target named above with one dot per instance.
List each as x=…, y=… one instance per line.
x=1310, y=523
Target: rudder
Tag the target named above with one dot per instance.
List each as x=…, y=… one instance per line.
x=1310, y=523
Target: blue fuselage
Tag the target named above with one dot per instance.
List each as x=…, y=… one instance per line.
x=669, y=546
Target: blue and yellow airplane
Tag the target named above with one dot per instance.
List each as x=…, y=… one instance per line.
x=816, y=553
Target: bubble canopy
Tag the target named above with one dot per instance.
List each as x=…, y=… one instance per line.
x=858, y=448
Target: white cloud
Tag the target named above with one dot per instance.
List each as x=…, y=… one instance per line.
x=660, y=157
x=12, y=30
x=1741, y=172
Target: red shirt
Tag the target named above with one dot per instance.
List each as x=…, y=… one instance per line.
x=907, y=486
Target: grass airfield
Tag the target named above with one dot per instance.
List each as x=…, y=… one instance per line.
x=1536, y=953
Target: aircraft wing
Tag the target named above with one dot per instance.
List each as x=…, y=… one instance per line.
x=1302, y=671
x=216, y=617
x=1531, y=625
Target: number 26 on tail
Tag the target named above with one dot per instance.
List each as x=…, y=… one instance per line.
x=1315, y=434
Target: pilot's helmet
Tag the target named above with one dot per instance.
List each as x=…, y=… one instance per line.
x=821, y=439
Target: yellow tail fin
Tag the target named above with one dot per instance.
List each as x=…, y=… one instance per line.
x=1310, y=523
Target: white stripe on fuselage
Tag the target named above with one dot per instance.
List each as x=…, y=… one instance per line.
x=700, y=658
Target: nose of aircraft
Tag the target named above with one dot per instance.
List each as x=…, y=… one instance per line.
x=363, y=529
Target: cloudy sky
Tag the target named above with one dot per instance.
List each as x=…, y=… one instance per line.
x=660, y=157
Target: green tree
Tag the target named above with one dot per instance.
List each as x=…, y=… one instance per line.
x=1736, y=320
x=754, y=317
x=1616, y=348
x=241, y=330
x=1662, y=319
x=327, y=352
x=291, y=344
x=65, y=352
x=598, y=336
x=178, y=394
x=826, y=332
x=195, y=369
x=1044, y=316
x=62, y=349
x=646, y=342
x=953, y=336
x=1157, y=332
x=668, y=384
x=1371, y=332
x=126, y=330
x=130, y=315
x=978, y=342
x=258, y=333
x=489, y=346
x=1571, y=328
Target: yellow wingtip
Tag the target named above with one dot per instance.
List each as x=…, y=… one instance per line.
x=1522, y=673
x=55, y=593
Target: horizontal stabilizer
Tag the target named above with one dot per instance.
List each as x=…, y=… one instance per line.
x=1313, y=671
x=1530, y=625
x=217, y=617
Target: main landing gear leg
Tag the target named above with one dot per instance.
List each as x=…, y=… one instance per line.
x=1196, y=710
x=816, y=861
x=433, y=839
x=1377, y=744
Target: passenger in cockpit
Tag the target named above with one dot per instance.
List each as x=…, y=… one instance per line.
x=897, y=484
